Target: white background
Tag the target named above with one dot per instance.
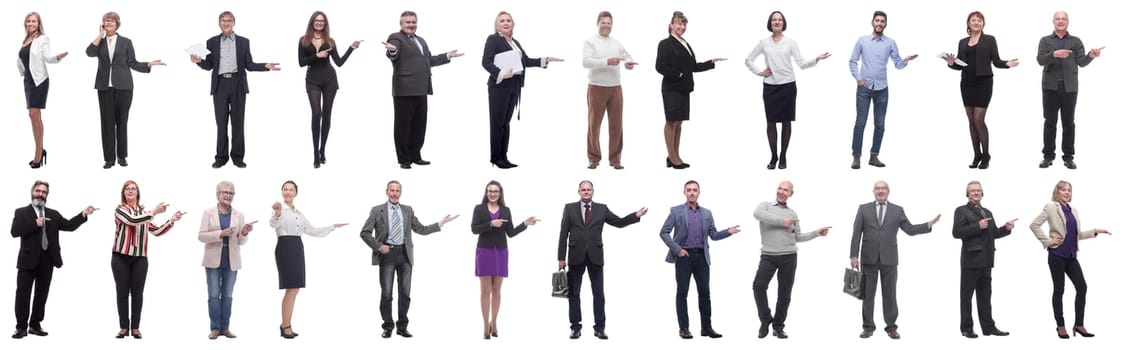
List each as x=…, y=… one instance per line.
x=926, y=148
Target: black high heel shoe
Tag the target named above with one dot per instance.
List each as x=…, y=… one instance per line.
x=985, y=163
x=1079, y=330
x=494, y=333
x=771, y=164
x=121, y=334
x=288, y=335
x=783, y=162
x=1061, y=333
x=670, y=164
x=977, y=159
x=502, y=164
x=42, y=161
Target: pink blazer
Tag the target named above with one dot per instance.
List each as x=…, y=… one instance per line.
x=210, y=234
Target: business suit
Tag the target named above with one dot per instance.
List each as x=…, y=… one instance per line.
x=222, y=259
x=411, y=85
x=684, y=266
x=977, y=260
x=876, y=243
x=504, y=95
x=35, y=265
x=113, y=82
x=581, y=246
x=1060, y=84
x=677, y=64
x=376, y=233
x=229, y=92
x=1059, y=261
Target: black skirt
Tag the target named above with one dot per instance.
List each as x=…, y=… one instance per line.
x=779, y=102
x=36, y=95
x=977, y=93
x=290, y=262
x=676, y=105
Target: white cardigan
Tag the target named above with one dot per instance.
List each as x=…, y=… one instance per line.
x=40, y=56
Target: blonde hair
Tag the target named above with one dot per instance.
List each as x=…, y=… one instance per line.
x=38, y=31
x=1056, y=190
x=500, y=15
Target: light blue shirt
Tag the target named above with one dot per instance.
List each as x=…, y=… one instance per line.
x=874, y=53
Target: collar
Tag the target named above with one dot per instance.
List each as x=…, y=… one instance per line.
x=1066, y=35
x=695, y=208
x=777, y=204
x=390, y=205
x=229, y=210
x=223, y=36
x=874, y=37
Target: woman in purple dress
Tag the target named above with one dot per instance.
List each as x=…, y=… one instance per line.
x=491, y=221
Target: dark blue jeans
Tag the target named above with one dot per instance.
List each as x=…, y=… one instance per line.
x=220, y=296
x=696, y=265
x=879, y=99
x=395, y=262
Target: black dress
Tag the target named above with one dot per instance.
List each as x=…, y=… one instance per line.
x=321, y=75
x=36, y=96
x=976, y=90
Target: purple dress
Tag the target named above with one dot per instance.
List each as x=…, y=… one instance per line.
x=491, y=256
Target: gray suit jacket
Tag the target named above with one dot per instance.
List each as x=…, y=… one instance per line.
x=677, y=221
x=1053, y=66
x=412, y=66
x=877, y=243
x=124, y=58
x=376, y=230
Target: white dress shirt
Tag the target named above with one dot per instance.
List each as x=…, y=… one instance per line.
x=292, y=223
x=777, y=57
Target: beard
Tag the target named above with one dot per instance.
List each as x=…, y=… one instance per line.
x=38, y=202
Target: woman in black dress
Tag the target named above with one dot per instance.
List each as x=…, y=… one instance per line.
x=978, y=51
x=34, y=56
x=315, y=47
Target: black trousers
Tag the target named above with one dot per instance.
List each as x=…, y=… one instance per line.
x=1069, y=266
x=395, y=263
x=976, y=280
x=322, y=100
x=1061, y=104
x=576, y=278
x=129, y=274
x=40, y=277
x=410, y=119
x=769, y=264
x=229, y=110
x=114, y=105
x=502, y=102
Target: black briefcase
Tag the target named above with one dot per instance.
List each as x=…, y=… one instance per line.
x=854, y=283
x=561, y=284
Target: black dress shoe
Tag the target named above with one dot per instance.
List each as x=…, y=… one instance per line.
x=123, y=162
x=600, y=334
x=1070, y=164
x=36, y=331
x=575, y=334
x=779, y=333
x=239, y=164
x=709, y=332
x=763, y=330
x=108, y=164
x=217, y=164
x=421, y=162
x=866, y=333
x=1079, y=330
x=406, y=166
x=685, y=334
x=771, y=163
x=970, y=334
x=122, y=334
x=137, y=335
x=894, y=334
x=19, y=334
x=405, y=333
x=985, y=163
x=386, y=333
x=995, y=331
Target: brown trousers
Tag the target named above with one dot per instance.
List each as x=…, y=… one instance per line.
x=601, y=99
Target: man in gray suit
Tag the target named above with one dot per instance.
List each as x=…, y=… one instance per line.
x=1061, y=54
x=387, y=231
x=874, y=237
x=412, y=83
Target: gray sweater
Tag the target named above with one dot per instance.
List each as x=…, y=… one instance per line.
x=774, y=237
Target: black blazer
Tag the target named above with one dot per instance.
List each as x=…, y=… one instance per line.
x=492, y=237
x=412, y=66
x=319, y=69
x=245, y=62
x=677, y=65
x=977, y=244
x=124, y=57
x=985, y=50
x=31, y=237
x=580, y=239
x=496, y=44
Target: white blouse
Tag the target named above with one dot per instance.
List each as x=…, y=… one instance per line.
x=292, y=223
x=777, y=57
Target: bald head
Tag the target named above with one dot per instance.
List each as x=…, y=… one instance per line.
x=880, y=191
x=784, y=191
x=1059, y=21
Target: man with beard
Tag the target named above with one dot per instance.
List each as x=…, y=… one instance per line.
x=37, y=228
x=873, y=51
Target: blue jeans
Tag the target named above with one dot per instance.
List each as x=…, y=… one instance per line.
x=220, y=291
x=880, y=108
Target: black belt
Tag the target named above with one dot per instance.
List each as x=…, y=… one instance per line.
x=694, y=249
x=227, y=75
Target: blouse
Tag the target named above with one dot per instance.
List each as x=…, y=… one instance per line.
x=777, y=57
x=133, y=227
x=291, y=222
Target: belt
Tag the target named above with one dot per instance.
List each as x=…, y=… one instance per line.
x=694, y=249
x=395, y=246
x=227, y=75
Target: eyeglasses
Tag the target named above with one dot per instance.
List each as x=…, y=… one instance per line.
x=130, y=189
x=494, y=191
x=227, y=193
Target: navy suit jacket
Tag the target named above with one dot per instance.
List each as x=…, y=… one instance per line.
x=677, y=221
x=496, y=44
x=244, y=58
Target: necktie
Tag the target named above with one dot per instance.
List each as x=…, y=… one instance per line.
x=880, y=214
x=43, y=230
x=395, y=226
x=587, y=213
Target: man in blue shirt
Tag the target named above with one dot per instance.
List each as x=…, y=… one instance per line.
x=872, y=84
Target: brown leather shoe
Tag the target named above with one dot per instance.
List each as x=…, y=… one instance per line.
x=856, y=163
x=213, y=334
x=229, y=334
x=875, y=162
x=893, y=334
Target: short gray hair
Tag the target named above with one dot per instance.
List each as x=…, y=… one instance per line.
x=222, y=184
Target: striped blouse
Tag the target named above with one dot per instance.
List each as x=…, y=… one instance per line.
x=133, y=227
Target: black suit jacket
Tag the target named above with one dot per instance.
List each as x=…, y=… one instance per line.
x=31, y=236
x=412, y=66
x=579, y=239
x=985, y=53
x=977, y=244
x=496, y=44
x=124, y=58
x=677, y=65
x=244, y=58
